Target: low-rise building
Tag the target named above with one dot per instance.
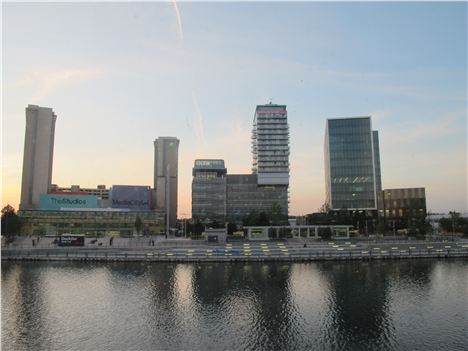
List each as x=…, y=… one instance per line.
x=245, y=195
x=403, y=208
x=90, y=222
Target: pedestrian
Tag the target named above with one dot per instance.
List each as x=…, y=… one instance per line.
x=33, y=242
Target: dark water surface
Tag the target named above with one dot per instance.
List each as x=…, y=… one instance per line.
x=381, y=305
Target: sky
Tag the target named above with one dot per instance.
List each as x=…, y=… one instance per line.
x=119, y=75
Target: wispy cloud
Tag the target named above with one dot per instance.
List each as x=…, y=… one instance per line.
x=179, y=21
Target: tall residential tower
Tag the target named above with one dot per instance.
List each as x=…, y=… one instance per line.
x=38, y=155
x=270, y=155
x=352, y=164
x=270, y=145
x=166, y=158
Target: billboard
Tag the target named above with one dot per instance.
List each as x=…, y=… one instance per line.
x=58, y=201
x=71, y=240
x=131, y=197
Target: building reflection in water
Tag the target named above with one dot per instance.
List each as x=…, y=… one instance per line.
x=360, y=302
x=255, y=306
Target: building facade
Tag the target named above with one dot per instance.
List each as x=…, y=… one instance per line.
x=166, y=158
x=404, y=207
x=270, y=145
x=244, y=195
x=100, y=191
x=91, y=222
x=209, y=190
x=38, y=155
x=352, y=164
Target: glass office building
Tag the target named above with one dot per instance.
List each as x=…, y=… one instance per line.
x=244, y=195
x=209, y=190
x=352, y=164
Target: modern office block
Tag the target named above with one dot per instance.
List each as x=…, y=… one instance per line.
x=209, y=190
x=166, y=156
x=403, y=203
x=378, y=174
x=270, y=145
x=403, y=208
x=352, y=164
x=38, y=155
x=244, y=196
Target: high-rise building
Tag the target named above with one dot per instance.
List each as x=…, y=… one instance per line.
x=270, y=154
x=270, y=145
x=38, y=155
x=352, y=164
x=209, y=190
x=166, y=156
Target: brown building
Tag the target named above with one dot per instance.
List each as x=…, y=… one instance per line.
x=403, y=208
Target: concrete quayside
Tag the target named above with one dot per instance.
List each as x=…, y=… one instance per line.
x=189, y=251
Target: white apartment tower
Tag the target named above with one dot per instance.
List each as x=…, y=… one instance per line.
x=270, y=145
x=38, y=155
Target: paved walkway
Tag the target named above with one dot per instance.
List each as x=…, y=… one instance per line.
x=187, y=250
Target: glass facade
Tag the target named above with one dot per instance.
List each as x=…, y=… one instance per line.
x=350, y=163
x=209, y=190
x=89, y=222
x=244, y=195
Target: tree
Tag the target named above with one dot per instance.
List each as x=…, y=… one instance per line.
x=454, y=224
x=263, y=219
x=325, y=208
x=231, y=228
x=325, y=233
x=275, y=214
x=251, y=219
x=198, y=228
x=11, y=223
x=138, y=224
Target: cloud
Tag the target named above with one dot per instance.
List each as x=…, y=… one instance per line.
x=179, y=20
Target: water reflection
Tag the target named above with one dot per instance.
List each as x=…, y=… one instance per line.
x=257, y=306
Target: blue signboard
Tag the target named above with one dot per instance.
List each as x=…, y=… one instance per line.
x=131, y=197
x=59, y=201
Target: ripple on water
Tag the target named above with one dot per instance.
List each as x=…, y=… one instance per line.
x=326, y=306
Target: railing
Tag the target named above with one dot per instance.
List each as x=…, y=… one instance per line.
x=288, y=254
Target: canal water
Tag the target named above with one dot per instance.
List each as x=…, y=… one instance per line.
x=380, y=305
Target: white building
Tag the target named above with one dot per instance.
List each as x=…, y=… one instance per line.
x=270, y=145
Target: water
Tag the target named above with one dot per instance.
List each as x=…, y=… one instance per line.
x=382, y=305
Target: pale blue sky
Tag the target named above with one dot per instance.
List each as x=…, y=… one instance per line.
x=119, y=75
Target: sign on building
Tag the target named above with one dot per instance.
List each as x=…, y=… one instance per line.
x=131, y=197
x=58, y=201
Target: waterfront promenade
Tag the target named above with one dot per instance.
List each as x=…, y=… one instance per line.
x=185, y=250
